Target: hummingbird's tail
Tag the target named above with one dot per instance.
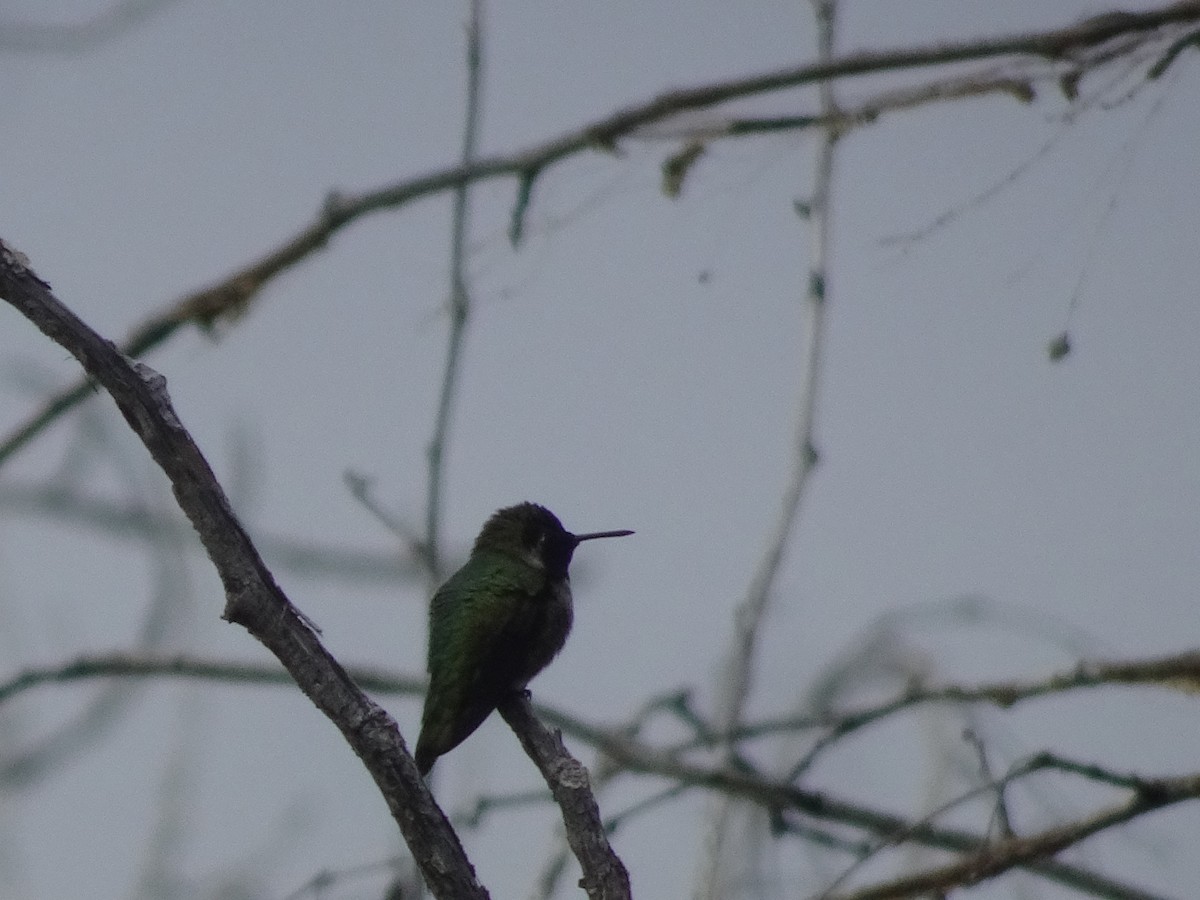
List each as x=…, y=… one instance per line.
x=425, y=759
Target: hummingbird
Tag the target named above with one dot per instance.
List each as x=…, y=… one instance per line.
x=496, y=622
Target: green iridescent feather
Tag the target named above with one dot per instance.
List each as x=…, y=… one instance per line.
x=491, y=629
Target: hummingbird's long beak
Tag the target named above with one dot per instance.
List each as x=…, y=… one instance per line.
x=592, y=535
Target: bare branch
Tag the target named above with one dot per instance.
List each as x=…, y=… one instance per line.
x=78, y=37
x=999, y=857
x=460, y=300
x=253, y=599
x=1159, y=68
x=161, y=621
x=606, y=770
x=134, y=520
x=604, y=875
x=320, y=883
x=621, y=748
x=360, y=486
x=863, y=112
x=489, y=803
x=1180, y=672
x=824, y=807
x=130, y=665
x=233, y=295
x=750, y=613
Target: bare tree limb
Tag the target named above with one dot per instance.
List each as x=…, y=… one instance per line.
x=822, y=806
x=129, y=665
x=863, y=112
x=620, y=747
x=253, y=599
x=996, y=858
x=604, y=875
x=232, y=295
x=1038, y=763
x=1178, y=672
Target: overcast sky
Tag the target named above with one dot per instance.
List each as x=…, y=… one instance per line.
x=635, y=364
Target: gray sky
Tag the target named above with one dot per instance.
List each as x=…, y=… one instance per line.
x=635, y=364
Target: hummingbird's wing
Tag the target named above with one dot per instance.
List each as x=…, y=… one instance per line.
x=478, y=624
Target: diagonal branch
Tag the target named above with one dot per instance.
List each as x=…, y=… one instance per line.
x=604, y=875
x=233, y=294
x=997, y=858
x=818, y=805
x=253, y=599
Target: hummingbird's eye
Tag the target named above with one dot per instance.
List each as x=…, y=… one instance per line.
x=534, y=538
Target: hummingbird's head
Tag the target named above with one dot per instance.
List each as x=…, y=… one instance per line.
x=534, y=535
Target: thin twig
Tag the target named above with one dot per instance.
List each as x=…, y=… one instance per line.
x=1001, y=815
x=864, y=112
x=320, y=883
x=489, y=803
x=1002, y=856
x=1180, y=671
x=749, y=616
x=360, y=487
x=143, y=665
x=460, y=300
x=118, y=519
x=990, y=785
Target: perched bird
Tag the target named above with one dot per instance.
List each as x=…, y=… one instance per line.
x=496, y=622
